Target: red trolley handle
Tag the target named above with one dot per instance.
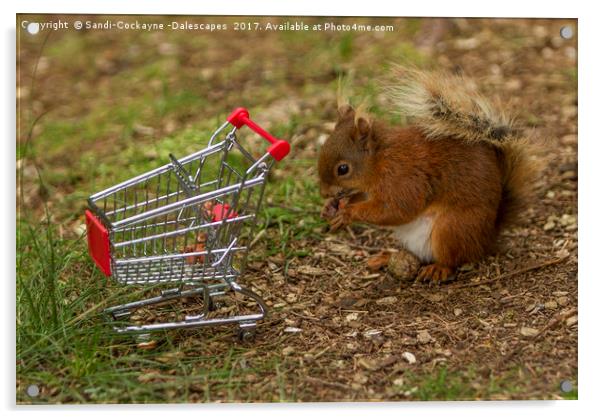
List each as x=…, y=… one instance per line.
x=278, y=148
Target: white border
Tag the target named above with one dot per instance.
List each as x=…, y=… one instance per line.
x=590, y=372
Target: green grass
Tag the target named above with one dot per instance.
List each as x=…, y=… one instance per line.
x=65, y=347
x=85, y=145
x=571, y=395
x=443, y=384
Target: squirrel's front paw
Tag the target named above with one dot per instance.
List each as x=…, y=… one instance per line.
x=330, y=208
x=341, y=219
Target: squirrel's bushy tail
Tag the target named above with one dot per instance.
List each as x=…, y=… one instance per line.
x=447, y=105
x=520, y=171
x=444, y=105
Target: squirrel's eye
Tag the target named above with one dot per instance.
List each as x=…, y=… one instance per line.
x=343, y=169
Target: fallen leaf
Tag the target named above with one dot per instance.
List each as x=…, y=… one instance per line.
x=563, y=301
x=567, y=219
x=310, y=270
x=409, y=357
x=466, y=43
x=386, y=301
x=571, y=321
x=147, y=345
x=351, y=317
x=342, y=249
x=436, y=297
x=423, y=336
x=149, y=376
x=372, y=332
x=561, y=254
x=377, y=364
x=360, y=378
x=528, y=331
x=368, y=364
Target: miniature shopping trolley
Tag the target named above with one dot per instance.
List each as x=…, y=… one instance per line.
x=185, y=228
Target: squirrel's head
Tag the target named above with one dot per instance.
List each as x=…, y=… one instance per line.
x=344, y=160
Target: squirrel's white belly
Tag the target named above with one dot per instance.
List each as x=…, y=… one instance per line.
x=415, y=237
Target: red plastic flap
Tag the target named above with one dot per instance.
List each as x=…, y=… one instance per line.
x=98, y=243
x=220, y=211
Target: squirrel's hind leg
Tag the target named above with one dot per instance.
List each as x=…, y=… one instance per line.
x=458, y=237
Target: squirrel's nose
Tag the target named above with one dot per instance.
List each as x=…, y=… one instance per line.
x=329, y=191
x=324, y=191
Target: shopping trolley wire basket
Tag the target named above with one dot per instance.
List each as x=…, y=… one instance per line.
x=186, y=225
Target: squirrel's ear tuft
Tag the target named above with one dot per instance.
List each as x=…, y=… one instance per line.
x=345, y=111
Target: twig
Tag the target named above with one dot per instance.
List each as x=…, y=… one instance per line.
x=557, y=319
x=257, y=237
x=338, y=261
x=351, y=233
x=313, y=319
x=560, y=317
x=326, y=383
x=323, y=351
x=357, y=246
x=513, y=273
x=297, y=210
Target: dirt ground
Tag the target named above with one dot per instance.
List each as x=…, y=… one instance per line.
x=506, y=328
x=511, y=317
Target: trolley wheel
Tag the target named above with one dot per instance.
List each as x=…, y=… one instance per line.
x=246, y=334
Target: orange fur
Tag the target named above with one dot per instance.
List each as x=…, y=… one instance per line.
x=402, y=174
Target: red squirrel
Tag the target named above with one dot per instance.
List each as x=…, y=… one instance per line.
x=446, y=184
